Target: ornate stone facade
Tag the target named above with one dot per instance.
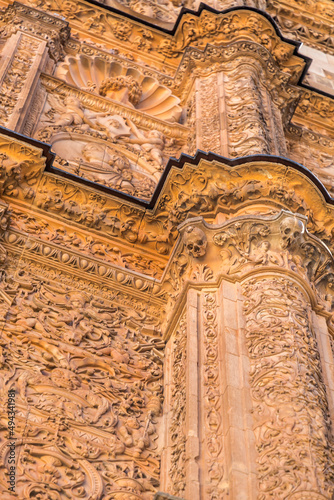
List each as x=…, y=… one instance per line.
x=167, y=270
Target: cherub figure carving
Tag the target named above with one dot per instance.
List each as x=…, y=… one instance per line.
x=152, y=143
x=70, y=110
x=264, y=256
x=136, y=437
x=72, y=113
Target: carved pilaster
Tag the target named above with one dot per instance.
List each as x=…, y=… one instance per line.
x=257, y=371
x=22, y=57
x=196, y=456
x=174, y=456
x=236, y=115
x=209, y=130
x=31, y=38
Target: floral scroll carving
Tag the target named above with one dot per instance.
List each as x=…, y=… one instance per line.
x=177, y=429
x=291, y=420
x=98, y=376
x=247, y=245
x=215, y=487
x=16, y=75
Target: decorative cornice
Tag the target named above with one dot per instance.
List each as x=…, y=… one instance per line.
x=78, y=263
x=307, y=20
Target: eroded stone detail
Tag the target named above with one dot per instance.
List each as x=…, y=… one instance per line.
x=215, y=487
x=92, y=281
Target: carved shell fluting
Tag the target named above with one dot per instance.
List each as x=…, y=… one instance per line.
x=89, y=73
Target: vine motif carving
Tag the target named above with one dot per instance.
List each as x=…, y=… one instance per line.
x=291, y=419
x=54, y=242
x=215, y=487
x=178, y=400
x=249, y=133
x=209, y=118
x=94, y=399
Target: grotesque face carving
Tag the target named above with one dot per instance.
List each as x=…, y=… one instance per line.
x=291, y=229
x=195, y=241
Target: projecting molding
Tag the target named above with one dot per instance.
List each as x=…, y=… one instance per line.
x=208, y=185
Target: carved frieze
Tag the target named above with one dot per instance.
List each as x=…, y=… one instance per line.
x=97, y=382
x=313, y=150
x=307, y=21
x=246, y=244
x=97, y=268
x=192, y=30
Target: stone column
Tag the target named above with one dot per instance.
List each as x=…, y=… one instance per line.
x=236, y=114
x=290, y=409
x=249, y=411
x=209, y=410
x=250, y=379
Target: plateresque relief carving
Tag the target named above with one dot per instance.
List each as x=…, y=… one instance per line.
x=124, y=84
x=291, y=419
x=94, y=400
x=104, y=147
x=93, y=282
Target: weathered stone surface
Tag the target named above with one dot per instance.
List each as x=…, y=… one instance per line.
x=167, y=320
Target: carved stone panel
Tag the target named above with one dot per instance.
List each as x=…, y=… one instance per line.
x=290, y=410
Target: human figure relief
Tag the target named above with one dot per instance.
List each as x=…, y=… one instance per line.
x=152, y=143
x=71, y=112
x=136, y=437
x=264, y=256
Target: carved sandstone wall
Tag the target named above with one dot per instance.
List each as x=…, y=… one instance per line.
x=167, y=324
